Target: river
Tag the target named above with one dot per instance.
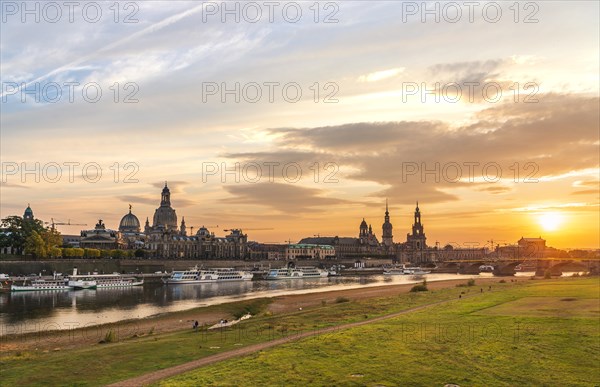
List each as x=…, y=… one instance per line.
x=22, y=312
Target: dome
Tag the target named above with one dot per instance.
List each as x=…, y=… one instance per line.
x=129, y=223
x=28, y=214
x=363, y=224
x=202, y=232
x=165, y=216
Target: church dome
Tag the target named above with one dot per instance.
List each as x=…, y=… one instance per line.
x=129, y=223
x=166, y=217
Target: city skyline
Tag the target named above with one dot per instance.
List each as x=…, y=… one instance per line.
x=376, y=226
x=387, y=113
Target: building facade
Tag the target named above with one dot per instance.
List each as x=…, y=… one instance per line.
x=309, y=251
x=165, y=239
x=101, y=238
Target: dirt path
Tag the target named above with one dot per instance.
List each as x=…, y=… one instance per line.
x=156, y=376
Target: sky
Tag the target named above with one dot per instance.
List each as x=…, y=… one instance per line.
x=294, y=119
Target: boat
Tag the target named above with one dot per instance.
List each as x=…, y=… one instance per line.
x=486, y=268
x=81, y=282
x=335, y=271
x=195, y=275
x=296, y=273
x=39, y=285
x=526, y=267
x=102, y=281
x=114, y=280
x=415, y=271
x=403, y=270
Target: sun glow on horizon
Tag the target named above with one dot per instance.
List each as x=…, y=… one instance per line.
x=550, y=221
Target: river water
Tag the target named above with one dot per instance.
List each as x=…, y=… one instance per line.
x=22, y=312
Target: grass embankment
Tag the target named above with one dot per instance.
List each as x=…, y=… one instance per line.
x=133, y=355
x=544, y=333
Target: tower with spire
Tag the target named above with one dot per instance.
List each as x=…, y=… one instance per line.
x=417, y=241
x=182, y=228
x=165, y=218
x=28, y=214
x=387, y=237
x=364, y=230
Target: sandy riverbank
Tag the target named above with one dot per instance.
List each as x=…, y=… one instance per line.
x=68, y=339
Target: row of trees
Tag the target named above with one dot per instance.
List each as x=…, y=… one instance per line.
x=29, y=237
x=75, y=252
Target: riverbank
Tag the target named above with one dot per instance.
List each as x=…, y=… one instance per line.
x=139, y=347
x=28, y=337
x=542, y=333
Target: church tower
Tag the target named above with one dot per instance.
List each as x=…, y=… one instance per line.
x=363, y=234
x=165, y=218
x=28, y=214
x=182, y=228
x=417, y=240
x=387, y=238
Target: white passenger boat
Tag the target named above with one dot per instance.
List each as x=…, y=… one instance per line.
x=39, y=285
x=403, y=270
x=296, y=273
x=102, y=281
x=195, y=275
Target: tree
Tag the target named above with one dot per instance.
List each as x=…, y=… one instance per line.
x=19, y=234
x=77, y=252
x=105, y=253
x=55, y=252
x=35, y=245
x=51, y=237
x=91, y=253
x=117, y=254
x=139, y=253
x=15, y=231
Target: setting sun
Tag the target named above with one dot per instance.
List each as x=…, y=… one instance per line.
x=550, y=221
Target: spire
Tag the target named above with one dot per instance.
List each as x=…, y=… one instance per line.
x=165, y=200
x=386, y=206
x=182, y=228
x=130, y=208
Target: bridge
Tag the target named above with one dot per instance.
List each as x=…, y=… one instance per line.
x=506, y=266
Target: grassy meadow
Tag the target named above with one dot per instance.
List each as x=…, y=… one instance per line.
x=544, y=333
x=498, y=337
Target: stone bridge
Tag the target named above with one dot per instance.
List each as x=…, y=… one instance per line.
x=506, y=267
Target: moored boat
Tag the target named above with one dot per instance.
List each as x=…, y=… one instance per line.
x=102, y=281
x=39, y=285
x=403, y=270
x=296, y=273
x=195, y=275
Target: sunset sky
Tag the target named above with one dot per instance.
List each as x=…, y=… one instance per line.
x=376, y=139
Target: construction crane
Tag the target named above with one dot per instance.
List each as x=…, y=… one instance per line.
x=68, y=223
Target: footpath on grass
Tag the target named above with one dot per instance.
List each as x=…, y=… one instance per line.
x=156, y=376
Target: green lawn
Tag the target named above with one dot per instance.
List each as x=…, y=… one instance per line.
x=487, y=340
x=129, y=357
x=466, y=341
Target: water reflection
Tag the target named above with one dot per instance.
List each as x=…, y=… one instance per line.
x=68, y=309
